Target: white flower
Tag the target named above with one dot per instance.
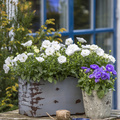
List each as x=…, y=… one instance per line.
x=71, y=49
x=40, y=59
x=111, y=58
x=56, y=46
x=37, y=50
x=85, y=53
x=100, y=52
x=15, y=59
x=9, y=61
x=62, y=45
x=49, y=51
x=28, y=43
x=22, y=57
x=28, y=54
x=46, y=43
x=54, y=42
x=62, y=59
x=85, y=46
x=106, y=55
x=68, y=41
x=6, y=68
x=93, y=47
x=81, y=40
x=69, y=52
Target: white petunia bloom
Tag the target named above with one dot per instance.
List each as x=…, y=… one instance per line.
x=62, y=59
x=82, y=40
x=6, y=68
x=111, y=58
x=22, y=57
x=93, y=47
x=40, y=59
x=85, y=53
x=85, y=46
x=28, y=54
x=100, y=52
x=49, y=51
x=55, y=46
x=68, y=41
x=28, y=43
x=46, y=44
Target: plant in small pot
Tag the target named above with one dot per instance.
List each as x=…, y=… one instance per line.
x=97, y=82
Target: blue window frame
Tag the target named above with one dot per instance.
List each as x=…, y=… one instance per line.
x=94, y=31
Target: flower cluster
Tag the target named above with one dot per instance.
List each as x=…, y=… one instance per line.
x=97, y=78
x=54, y=60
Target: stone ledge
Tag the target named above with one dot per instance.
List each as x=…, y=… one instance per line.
x=14, y=115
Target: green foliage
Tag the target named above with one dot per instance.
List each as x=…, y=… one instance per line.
x=88, y=84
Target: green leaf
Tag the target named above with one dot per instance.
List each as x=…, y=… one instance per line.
x=50, y=73
x=97, y=87
x=101, y=93
x=87, y=89
x=34, y=79
x=80, y=80
x=50, y=79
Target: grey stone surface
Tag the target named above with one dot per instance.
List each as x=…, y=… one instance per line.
x=35, y=99
x=96, y=107
x=14, y=115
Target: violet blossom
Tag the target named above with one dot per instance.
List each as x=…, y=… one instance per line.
x=94, y=66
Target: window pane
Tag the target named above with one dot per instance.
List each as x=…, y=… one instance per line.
x=58, y=9
x=36, y=22
x=82, y=14
x=105, y=41
x=104, y=13
x=88, y=38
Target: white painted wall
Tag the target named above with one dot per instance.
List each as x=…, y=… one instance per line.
x=118, y=54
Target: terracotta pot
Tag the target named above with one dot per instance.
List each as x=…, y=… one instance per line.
x=35, y=99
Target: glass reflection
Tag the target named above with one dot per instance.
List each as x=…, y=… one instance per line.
x=36, y=22
x=58, y=9
x=104, y=14
x=82, y=13
x=105, y=41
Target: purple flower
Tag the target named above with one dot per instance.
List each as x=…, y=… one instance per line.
x=87, y=70
x=94, y=66
x=109, y=67
x=84, y=67
x=91, y=76
x=96, y=80
x=114, y=72
x=97, y=75
x=105, y=76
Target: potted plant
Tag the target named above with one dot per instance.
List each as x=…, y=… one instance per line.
x=97, y=82
x=47, y=73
